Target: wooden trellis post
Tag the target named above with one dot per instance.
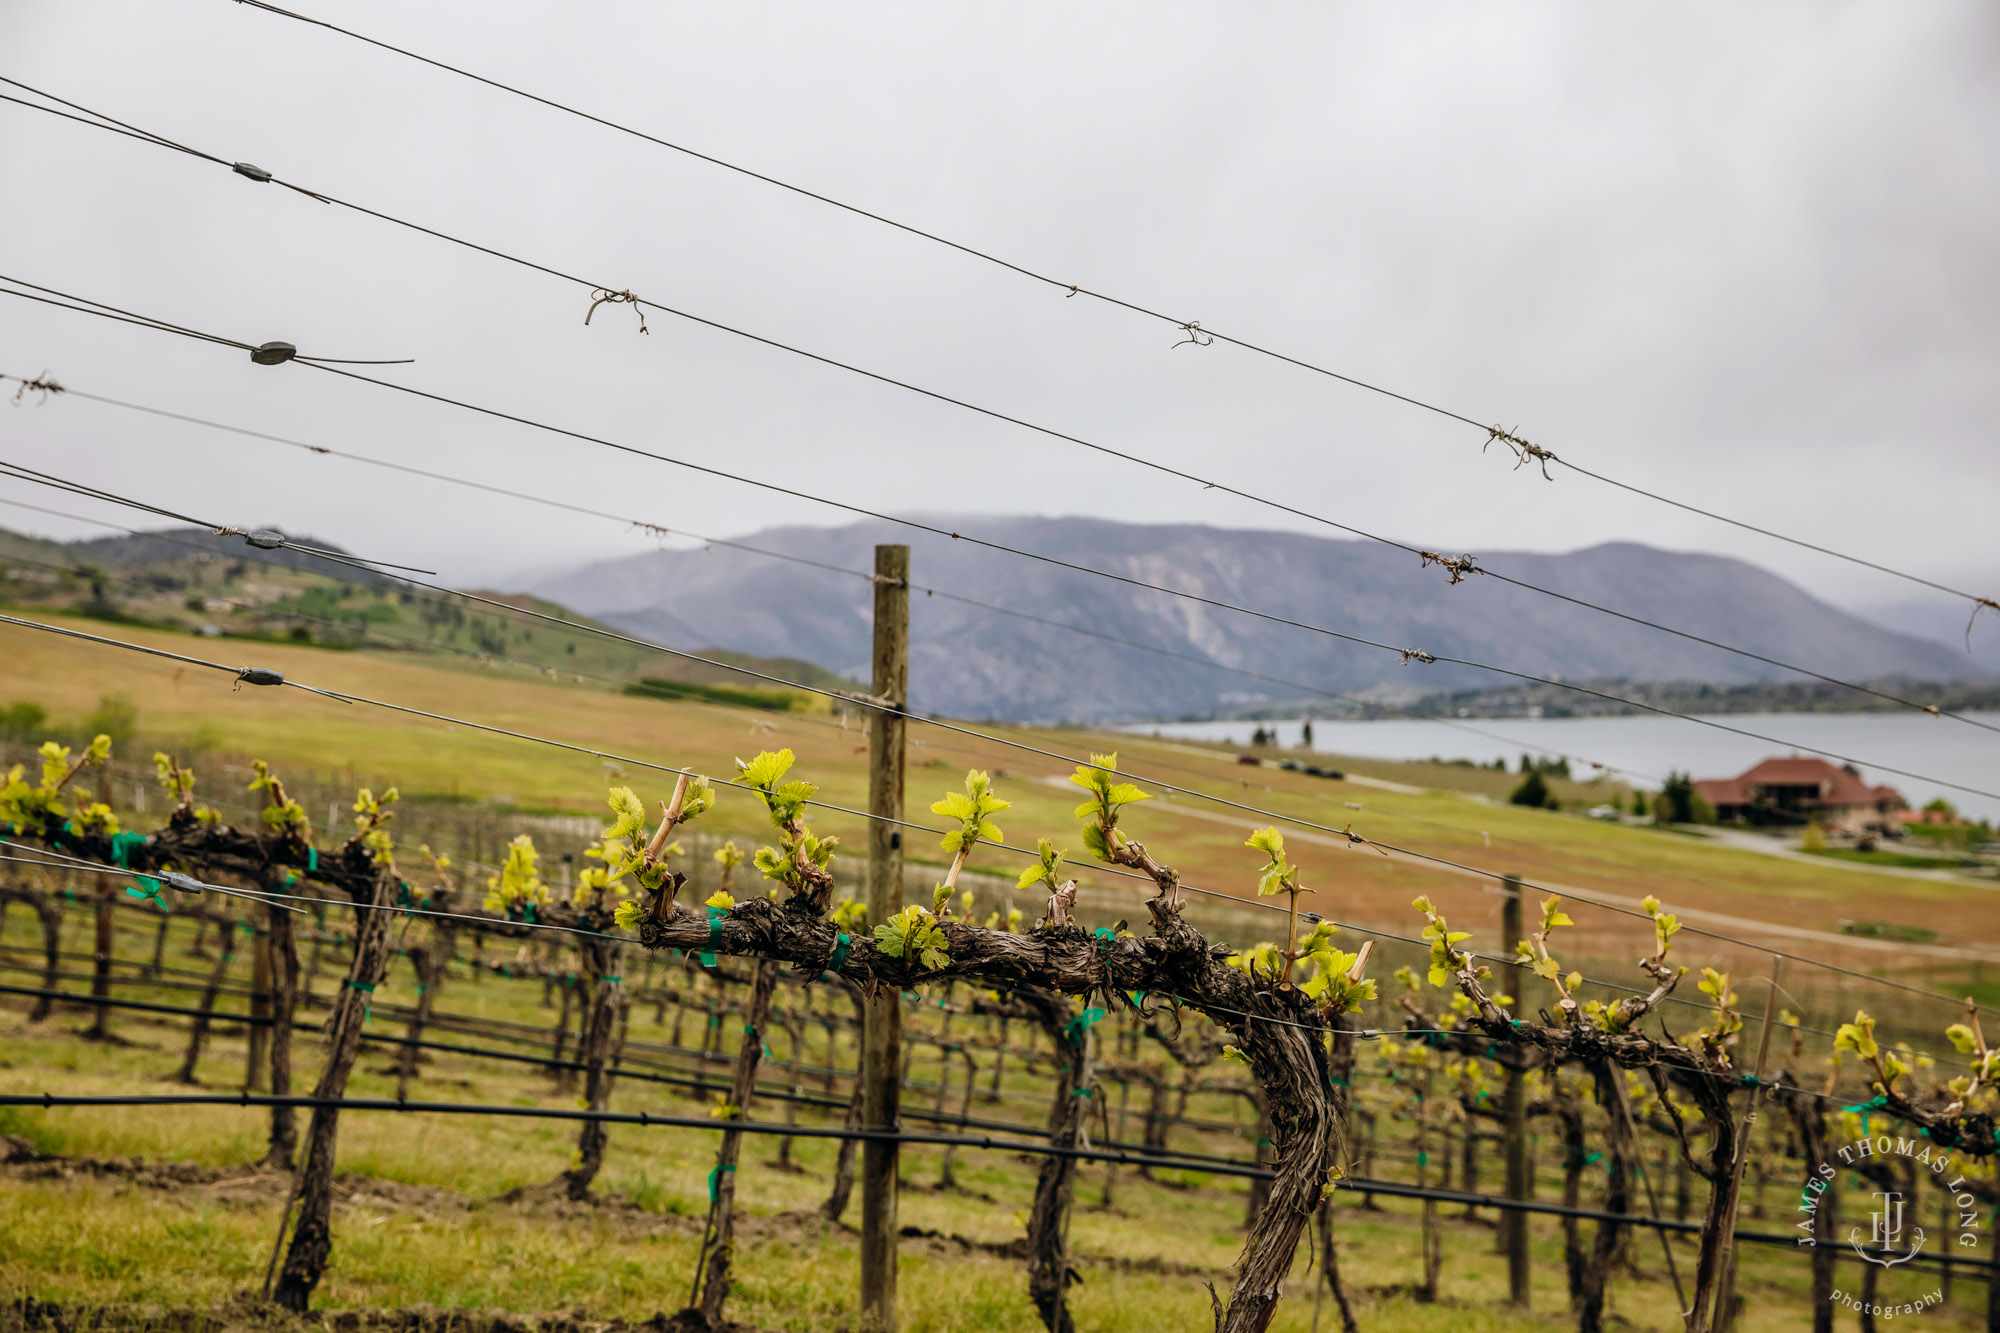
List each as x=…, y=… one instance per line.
x=882, y=1036
x=1514, y=1222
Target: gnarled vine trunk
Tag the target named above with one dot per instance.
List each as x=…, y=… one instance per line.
x=843, y=1167
x=1306, y=1135
x=1049, y=1272
x=284, y=1008
x=159, y=944
x=100, y=962
x=999, y=1063
x=599, y=1029
x=1568, y=1108
x=564, y=1076
x=947, y=1179
x=318, y=911
x=198, y=1033
x=1432, y=1240
x=1719, y=1216
x=721, y=1251
x=430, y=961
x=1340, y=1082
x=1260, y=1189
x=795, y=1038
x=312, y=1237
x=1154, y=1136
x=48, y=911
x=1619, y=1153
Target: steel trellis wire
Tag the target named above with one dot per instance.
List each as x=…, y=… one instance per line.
x=863, y=575
x=1456, y=568
x=1732, y=1077
x=278, y=898
x=1075, y=289
x=624, y=1069
x=1118, y=578
x=1406, y=653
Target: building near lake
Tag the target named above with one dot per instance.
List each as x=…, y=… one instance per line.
x=1799, y=790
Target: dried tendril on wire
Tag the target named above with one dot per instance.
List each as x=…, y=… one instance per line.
x=604, y=296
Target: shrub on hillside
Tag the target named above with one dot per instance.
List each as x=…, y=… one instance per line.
x=22, y=720
x=1534, y=791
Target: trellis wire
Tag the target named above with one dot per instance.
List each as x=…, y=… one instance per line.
x=1731, y=1076
x=863, y=575
x=1077, y=289
x=626, y=1068
x=1407, y=654
x=470, y=483
x=1457, y=568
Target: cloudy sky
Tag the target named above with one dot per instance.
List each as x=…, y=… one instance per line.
x=1742, y=255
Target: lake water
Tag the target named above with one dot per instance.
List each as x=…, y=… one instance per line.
x=1645, y=748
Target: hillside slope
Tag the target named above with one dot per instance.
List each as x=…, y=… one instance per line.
x=970, y=662
x=192, y=581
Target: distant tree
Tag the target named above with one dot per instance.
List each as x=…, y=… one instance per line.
x=1680, y=803
x=1639, y=806
x=22, y=721
x=1674, y=803
x=1534, y=791
x=1306, y=734
x=116, y=716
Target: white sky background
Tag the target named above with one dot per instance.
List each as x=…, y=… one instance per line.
x=1744, y=255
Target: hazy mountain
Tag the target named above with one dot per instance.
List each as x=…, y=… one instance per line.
x=1945, y=620
x=971, y=662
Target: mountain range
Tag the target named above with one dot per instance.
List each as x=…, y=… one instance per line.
x=973, y=661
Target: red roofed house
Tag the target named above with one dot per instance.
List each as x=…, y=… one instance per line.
x=1798, y=790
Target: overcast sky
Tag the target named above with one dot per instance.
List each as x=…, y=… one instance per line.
x=1742, y=254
